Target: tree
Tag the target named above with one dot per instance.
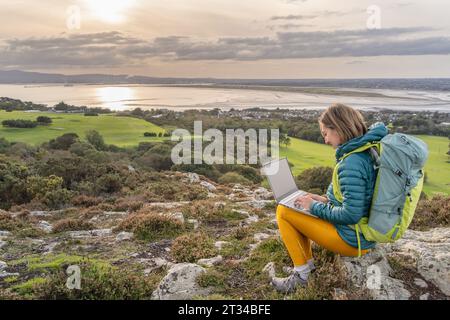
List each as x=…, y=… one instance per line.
x=315, y=178
x=96, y=140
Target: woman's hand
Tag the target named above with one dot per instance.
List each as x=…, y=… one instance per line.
x=318, y=198
x=304, y=201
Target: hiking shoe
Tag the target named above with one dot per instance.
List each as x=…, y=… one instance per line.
x=288, y=284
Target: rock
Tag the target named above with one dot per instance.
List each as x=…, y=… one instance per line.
x=260, y=236
x=211, y=261
x=430, y=252
x=424, y=296
x=4, y=234
x=40, y=213
x=178, y=216
x=131, y=169
x=2, y=244
x=166, y=205
x=50, y=247
x=180, y=283
x=339, y=294
x=243, y=212
x=262, y=194
x=420, y=283
x=89, y=233
x=219, y=205
x=156, y=263
x=220, y=244
x=252, y=219
x=194, y=222
x=208, y=186
x=270, y=269
x=372, y=271
x=257, y=204
x=45, y=226
x=122, y=236
x=115, y=213
x=193, y=177
x=3, y=266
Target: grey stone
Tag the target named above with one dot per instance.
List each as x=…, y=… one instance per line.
x=208, y=186
x=220, y=244
x=180, y=283
x=211, y=261
x=122, y=236
x=194, y=222
x=178, y=216
x=45, y=226
x=425, y=296
x=193, y=177
x=420, y=283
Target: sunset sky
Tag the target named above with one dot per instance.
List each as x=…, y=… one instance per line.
x=228, y=38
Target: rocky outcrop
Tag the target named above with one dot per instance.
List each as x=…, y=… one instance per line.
x=426, y=253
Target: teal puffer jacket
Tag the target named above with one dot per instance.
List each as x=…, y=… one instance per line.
x=357, y=181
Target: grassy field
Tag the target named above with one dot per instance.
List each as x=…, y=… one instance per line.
x=304, y=154
x=121, y=131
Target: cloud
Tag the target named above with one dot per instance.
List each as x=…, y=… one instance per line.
x=118, y=49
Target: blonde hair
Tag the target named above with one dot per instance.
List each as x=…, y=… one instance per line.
x=348, y=122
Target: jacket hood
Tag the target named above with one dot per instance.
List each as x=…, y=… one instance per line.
x=376, y=132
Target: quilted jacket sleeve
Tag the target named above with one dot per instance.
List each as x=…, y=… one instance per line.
x=353, y=179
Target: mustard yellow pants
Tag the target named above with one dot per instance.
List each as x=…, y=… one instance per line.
x=298, y=230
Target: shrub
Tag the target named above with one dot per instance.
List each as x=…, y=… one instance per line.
x=315, y=178
x=96, y=140
x=151, y=226
x=72, y=225
x=63, y=142
x=86, y=201
x=44, y=120
x=109, y=183
x=432, y=213
x=233, y=177
x=19, y=123
x=191, y=247
x=99, y=282
x=13, y=187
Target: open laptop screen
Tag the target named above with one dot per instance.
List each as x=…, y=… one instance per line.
x=281, y=181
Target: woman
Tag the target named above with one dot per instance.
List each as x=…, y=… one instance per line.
x=345, y=130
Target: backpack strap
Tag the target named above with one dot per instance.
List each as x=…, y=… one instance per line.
x=375, y=152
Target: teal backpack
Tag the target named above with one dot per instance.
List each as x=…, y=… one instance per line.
x=399, y=159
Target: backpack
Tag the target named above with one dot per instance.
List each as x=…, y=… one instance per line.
x=398, y=160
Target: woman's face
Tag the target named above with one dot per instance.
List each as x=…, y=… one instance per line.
x=330, y=136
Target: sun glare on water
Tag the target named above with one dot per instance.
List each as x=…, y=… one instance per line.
x=114, y=98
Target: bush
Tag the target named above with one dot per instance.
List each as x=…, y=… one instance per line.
x=191, y=247
x=72, y=225
x=315, y=178
x=432, y=213
x=96, y=140
x=63, y=142
x=151, y=226
x=44, y=120
x=13, y=186
x=233, y=177
x=19, y=123
x=100, y=281
x=109, y=183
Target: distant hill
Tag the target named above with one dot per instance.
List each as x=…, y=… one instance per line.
x=25, y=77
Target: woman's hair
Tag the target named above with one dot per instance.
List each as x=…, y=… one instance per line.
x=348, y=122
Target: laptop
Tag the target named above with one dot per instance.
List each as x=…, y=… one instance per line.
x=283, y=185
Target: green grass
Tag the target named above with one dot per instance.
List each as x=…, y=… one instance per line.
x=304, y=154
x=120, y=131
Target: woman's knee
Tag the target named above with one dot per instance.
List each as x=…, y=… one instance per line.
x=281, y=212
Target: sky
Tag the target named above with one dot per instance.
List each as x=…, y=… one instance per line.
x=270, y=39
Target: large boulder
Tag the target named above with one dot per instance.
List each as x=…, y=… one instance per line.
x=180, y=283
x=429, y=256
